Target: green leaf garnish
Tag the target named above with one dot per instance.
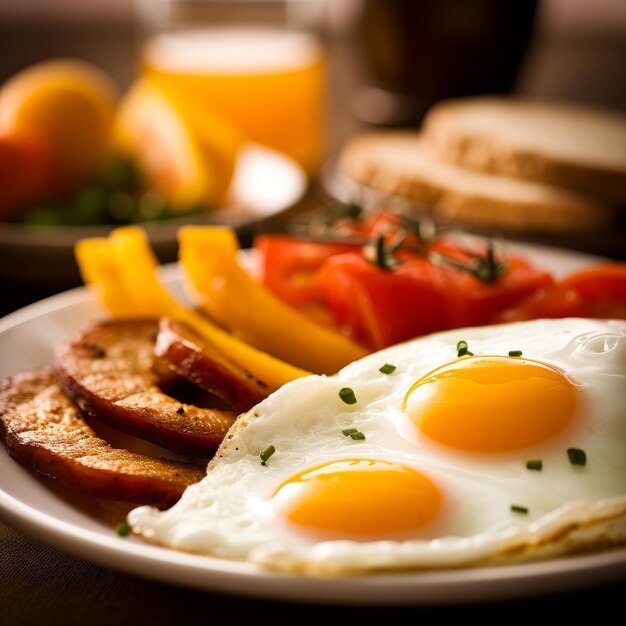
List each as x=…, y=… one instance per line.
x=535, y=464
x=387, y=368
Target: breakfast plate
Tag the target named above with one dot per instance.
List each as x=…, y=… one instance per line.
x=33, y=505
x=265, y=183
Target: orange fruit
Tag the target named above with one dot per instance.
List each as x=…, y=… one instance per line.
x=67, y=104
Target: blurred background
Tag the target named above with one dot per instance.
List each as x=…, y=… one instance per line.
x=237, y=106
x=561, y=49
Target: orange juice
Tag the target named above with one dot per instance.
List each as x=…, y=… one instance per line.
x=267, y=82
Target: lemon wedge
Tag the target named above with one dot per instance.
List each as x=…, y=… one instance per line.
x=177, y=152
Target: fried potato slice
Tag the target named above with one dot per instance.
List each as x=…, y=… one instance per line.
x=111, y=372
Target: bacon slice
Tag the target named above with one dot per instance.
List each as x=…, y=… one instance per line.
x=43, y=429
x=190, y=356
x=111, y=372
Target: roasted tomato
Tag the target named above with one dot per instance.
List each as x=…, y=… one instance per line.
x=598, y=291
x=474, y=302
x=379, y=307
x=288, y=267
x=426, y=286
x=554, y=302
x=603, y=289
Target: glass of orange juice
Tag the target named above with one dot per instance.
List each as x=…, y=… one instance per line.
x=253, y=63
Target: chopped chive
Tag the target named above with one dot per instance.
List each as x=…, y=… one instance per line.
x=535, y=464
x=516, y=508
x=577, y=456
x=462, y=349
x=347, y=395
x=387, y=368
x=266, y=454
x=353, y=433
x=123, y=529
x=515, y=353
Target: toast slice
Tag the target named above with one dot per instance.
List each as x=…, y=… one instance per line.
x=398, y=163
x=570, y=146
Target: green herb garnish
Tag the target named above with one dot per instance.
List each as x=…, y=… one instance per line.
x=115, y=194
x=408, y=234
x=383, y=253
x=484, y=268
x=515, y=353
x=577, y=456
x=336, y=212
x=516, y=508
x=123, y=529
x=387, y=368
x=266, y=454
x=535, y=464
x=347, y=395
x=353, y=433
x=462, y=349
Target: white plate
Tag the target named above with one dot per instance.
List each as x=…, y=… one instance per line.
x=52, y=515
x=265, y=183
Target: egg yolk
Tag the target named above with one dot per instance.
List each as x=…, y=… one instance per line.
x=492, y=403
x=359, y=497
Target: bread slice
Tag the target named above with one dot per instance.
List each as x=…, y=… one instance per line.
x=570, y=146
x=397, y=163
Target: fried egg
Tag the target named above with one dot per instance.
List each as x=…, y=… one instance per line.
x=464, y=447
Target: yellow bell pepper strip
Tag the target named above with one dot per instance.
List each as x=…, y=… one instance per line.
x=228, y=294
x=135, y=278
x=99, y=272
x=138, y=271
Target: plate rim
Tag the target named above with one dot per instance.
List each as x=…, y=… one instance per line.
x=428, y=587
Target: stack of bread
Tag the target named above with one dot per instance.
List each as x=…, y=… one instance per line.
x=512, y=165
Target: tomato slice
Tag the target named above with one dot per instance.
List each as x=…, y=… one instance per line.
x=288, y=266
x=598, y=291
x=380, y=308
x=335, y=285
x=555, y=302
x=602, y=288
x=473, y=302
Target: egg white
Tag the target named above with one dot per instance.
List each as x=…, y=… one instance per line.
x=230, y=514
